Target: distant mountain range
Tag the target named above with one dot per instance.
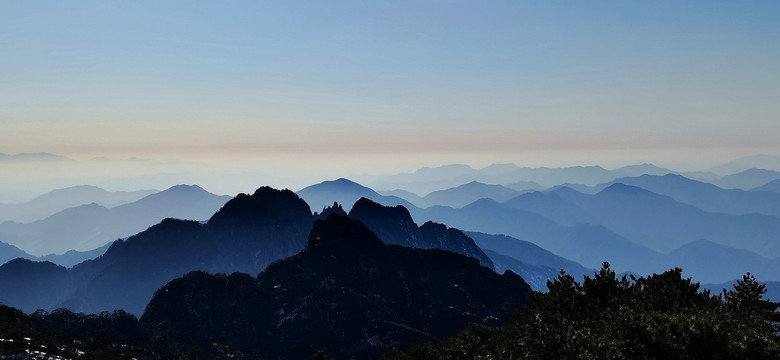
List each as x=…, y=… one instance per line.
x=633, y=228
x=90, y=226
x=465, y=194
x=647, y=220
x=706, y=196
x=427, y=180
x=58, y=200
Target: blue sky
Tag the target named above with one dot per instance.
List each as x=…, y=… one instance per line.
x=369, y=85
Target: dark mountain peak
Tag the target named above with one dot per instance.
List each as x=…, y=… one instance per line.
x=21, y=265
x=266, y=205
x=340, y=232
x=169, y=224
x=365, y=208
x=393, y=224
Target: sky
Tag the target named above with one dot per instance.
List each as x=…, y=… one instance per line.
x=286, y=88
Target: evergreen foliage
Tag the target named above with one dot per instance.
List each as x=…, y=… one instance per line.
x=662, y=316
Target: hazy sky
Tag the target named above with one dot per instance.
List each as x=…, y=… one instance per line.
x=407, y=83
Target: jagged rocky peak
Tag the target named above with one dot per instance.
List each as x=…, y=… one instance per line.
x=329, y=210
x=266, y=205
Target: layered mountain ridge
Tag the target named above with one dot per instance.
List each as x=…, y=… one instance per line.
x=247, y=234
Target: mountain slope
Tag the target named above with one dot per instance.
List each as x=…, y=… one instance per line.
x=394, y=225
x=347, y=293
x=534, y=264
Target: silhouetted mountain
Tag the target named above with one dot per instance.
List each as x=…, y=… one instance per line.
x=772, y=186
x=707, y=196
x=91, y=226
x=534, y=264
x=748, y=179
x=394, y=225
x=345, y=192
x=347, y=293
x=61, y=199
x=466, y=194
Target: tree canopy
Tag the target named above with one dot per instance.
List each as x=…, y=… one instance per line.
x=662, y=316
